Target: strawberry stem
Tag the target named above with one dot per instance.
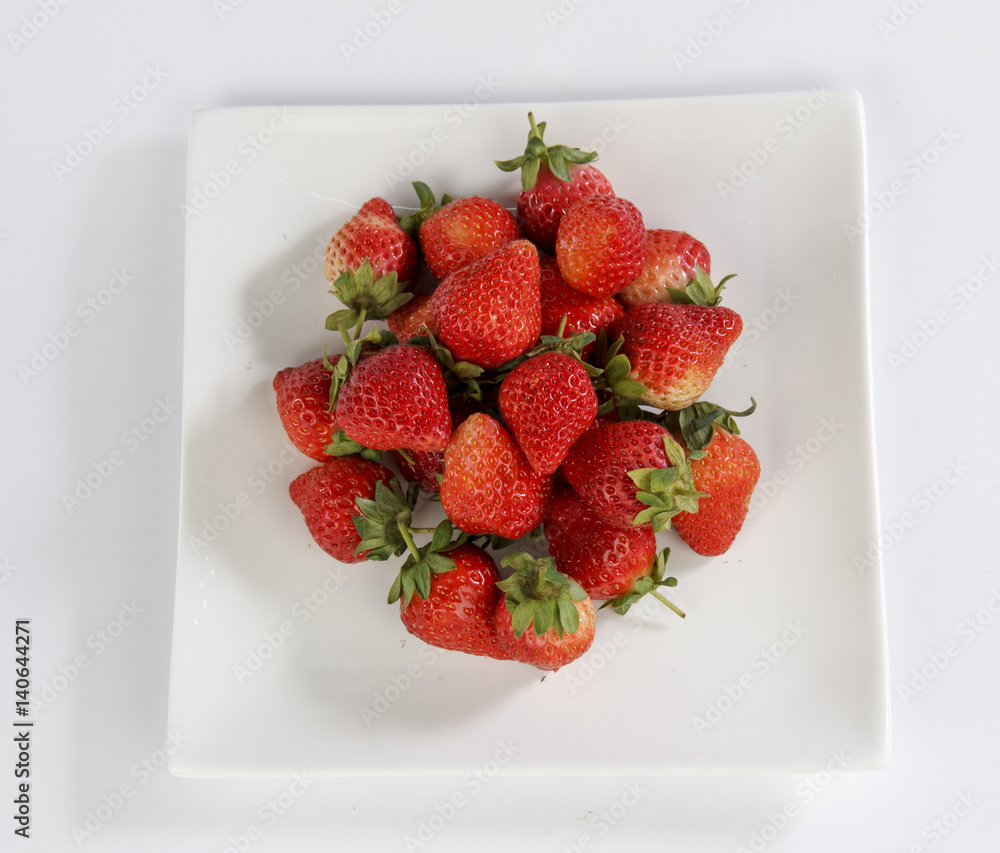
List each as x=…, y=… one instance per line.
x=411, y=546
x=669, y=603
x=362, y=315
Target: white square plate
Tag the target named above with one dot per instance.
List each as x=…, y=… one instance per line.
x=285, y=661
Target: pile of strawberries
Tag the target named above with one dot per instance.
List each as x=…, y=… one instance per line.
x=541, y=375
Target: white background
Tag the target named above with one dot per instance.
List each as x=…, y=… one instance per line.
x=928, y=73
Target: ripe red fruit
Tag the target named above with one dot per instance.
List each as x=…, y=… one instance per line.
x=463, y=231
x=601, y=246
x=396, y=398
x=489, y=486
x=552, y=178
x=303, y=399
x=676, y=350
x=459, y=611
x=373, y=234
x=602, y=468
x=326, y=496
x=547, y=402
x=604, y=559
x=490, y=311
x=672, y=258
x=426, y=467
x=412, y=319
x=728, y=474
x=583, y=313
x=544, y=618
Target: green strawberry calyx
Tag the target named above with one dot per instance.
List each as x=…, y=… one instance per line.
x=648, y=585
x=365, y=298
x=414, y=577
x=539, y=596
x=666, y=491
x=457, y=374
x=355, y=349
x=428, y=207
x=382, y=520
x=699, y=290
x=615, y=376
x=341, y=444
x=696, y=423
x=557, y=158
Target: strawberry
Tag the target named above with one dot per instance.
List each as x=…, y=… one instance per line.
x=327, y=498
x=601, y=245
x=412, y=319
x=426, y=467
x=456, y=609
x=544, y=618
x=488, y=485
x=552, y=178
x=490, y=311
x=674, y=351
x=547, y=402
x=630, y=473
x=583, y=313
x=672, y=259
x=611, y=563
x=395, y=397
x=460, y=231
x=727, y=472
x=303, y=399
x=372, y=234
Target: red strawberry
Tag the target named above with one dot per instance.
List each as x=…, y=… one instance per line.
x=675, y=350
x=426, y=467
x=544, y=618
x=583, y=313
x=547, y=402
x=605, y=560
x=327, y=495
x=458, y=611
x=464, y=230
x=727, y=473
x=489, y=486
x=412, y=319
x=552, y=178
x=490, y=311
x=395, y=397
x=601, y=245
x=303, y=399
x=372, y=234
x=612, y=467
x=672, y=258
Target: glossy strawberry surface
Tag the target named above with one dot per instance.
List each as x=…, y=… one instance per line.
x=302, y=395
